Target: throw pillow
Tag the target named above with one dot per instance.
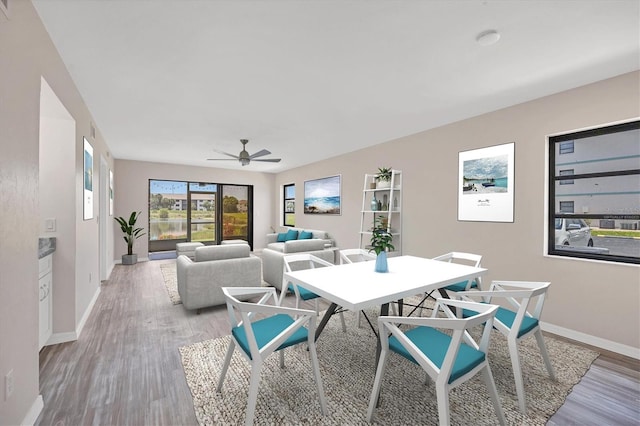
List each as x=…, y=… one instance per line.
x=304, y=235
x=291, y=235
x=282, y=237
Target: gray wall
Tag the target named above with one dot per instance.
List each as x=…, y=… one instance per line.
x=596, y=302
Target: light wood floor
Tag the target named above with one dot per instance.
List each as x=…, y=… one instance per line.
x=125, y=368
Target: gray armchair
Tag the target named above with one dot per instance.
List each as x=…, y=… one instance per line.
x=200, y=281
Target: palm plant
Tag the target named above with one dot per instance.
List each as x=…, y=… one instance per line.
x=131, y=233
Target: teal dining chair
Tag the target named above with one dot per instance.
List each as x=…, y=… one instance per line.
x=260, y=329
x=443, y=348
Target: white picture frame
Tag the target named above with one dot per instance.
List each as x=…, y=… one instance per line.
x=87, y=184
x=486, y=184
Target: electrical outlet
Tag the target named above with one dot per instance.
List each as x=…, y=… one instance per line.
x=8, y=385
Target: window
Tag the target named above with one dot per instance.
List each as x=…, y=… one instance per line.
x=198, y=211
x=566, y=147
x=289, y=207
x=566, y=172
x=595, y=213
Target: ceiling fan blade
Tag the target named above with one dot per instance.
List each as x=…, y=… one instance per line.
x=222, y=159
x=226, y=153
x=270, y=160
x=260, y=153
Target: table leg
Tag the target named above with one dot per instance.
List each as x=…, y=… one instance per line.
x=325, y=319
x=384, y=311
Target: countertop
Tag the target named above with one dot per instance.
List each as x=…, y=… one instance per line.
x=46, y=246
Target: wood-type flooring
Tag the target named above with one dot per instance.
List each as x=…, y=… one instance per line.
x=125, y=368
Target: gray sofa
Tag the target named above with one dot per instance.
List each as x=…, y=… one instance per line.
x=272, y=264
x=200, y=281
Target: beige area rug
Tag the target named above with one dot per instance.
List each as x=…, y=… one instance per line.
x=171, y=281
x=289, y=396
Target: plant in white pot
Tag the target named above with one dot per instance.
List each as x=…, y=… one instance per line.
x=381, y=240
x=383, y=178
x=130, y=235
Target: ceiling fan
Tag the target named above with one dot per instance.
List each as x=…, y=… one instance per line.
x=244, y=156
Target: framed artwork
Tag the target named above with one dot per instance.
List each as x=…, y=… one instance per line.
x=485, y=184
x=110, y=192
x=88, y=180
x=322, y=196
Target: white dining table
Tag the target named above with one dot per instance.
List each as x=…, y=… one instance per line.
x=356, y=286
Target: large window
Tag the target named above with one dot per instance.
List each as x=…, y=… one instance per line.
x=289, y=206
x=594, y=193
x=198, y=211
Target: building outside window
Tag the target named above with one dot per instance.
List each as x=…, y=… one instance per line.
x=289, y=206
x=594, y=193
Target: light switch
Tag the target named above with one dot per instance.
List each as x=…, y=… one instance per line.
x=50, y=225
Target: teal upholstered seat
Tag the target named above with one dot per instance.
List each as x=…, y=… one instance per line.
x=518, y=323
x=462, y=286
x=443, y=348
x=276, y=329
x=434, y=344
x=304, y=293
x=266, y=330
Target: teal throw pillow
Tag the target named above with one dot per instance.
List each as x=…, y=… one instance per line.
x=304, y=235
x=282, y=237
x=291, y=235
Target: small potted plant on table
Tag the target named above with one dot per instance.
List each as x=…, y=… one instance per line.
x=381, y=240
x=383, y=178
x=130, y=235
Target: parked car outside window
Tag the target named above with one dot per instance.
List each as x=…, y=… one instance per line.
x=573, y=232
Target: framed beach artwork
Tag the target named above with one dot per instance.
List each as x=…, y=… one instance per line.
x=322, y=196
x=485, y=184
x=88, y=180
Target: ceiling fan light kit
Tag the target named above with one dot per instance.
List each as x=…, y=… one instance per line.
x=244, y=158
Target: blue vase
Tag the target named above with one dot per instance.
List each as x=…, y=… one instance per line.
x=381, y=262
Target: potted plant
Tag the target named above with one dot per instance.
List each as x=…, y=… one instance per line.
x=381, y=240
x=383, y=178
x=130, y=235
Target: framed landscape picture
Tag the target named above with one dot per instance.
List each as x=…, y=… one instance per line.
x=322, y=196
x=485, y=184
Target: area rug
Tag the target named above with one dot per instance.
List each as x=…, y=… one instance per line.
x=289, y=396
x=171, y=281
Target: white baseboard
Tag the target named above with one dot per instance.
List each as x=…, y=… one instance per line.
x=34, y=412
x=71, y=336
x=588, y=339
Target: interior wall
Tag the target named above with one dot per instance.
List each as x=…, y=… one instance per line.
x=27, y=55
x=131, y=187
x=585, y=295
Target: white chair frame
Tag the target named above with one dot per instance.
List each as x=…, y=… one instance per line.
x=312, y=262
x=452, y=257
x=242, y=314
x=389, y=326
x=518, y=294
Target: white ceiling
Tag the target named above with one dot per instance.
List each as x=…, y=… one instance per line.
x=172, y=80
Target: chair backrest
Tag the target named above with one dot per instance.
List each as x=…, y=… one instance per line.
x=442, y=369
x=297, y=262
x=355, y=255
x=519, y=295
x=470, y=259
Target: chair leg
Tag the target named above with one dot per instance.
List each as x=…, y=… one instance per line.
x=281, y=355
x=517, y=375
x=253, y=392
x=493, y=393
x=359, y=319
x=545, y=354
x=316, y=372
x=227, y=361
x=442, y=394
x=317, y=306
x=377, y=384
x=344, y=325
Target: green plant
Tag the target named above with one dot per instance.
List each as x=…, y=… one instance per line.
x=131, y=233
x=384, y=174
x=381, y=238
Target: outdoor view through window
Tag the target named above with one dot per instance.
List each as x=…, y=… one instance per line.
x=196, y=211
x=595, y=188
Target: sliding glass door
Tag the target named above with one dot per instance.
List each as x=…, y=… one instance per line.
x=197, y=211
